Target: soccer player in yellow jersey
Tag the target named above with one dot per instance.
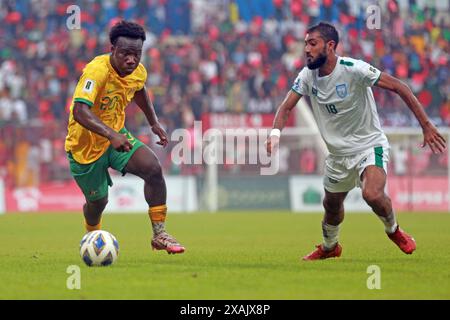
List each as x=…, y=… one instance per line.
x=97, y=138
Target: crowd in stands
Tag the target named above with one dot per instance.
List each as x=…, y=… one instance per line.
x=205, y=56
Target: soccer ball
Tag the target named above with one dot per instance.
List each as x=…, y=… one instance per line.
x=99, y=248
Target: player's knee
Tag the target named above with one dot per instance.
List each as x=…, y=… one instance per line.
x=153, y=172
x=332, y=205
x=98, y=205
x=372, y=197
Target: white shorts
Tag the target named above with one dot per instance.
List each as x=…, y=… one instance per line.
x=343, y=173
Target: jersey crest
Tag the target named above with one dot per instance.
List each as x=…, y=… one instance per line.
x=341, y=90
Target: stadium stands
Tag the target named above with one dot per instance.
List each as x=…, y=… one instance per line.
x=227, y=56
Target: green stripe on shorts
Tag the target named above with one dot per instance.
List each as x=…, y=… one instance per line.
x=379, y=157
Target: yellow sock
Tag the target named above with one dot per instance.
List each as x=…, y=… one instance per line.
x=158, y=213
x=158, y=217
x=90, y=228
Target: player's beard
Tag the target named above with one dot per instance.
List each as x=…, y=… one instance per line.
x=320, y=61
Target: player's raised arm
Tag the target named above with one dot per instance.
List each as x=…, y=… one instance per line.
x=145, y=104
x=281, y=117
x=84, y=116
x=431, y=135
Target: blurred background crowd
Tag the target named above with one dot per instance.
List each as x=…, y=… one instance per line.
x=202, y=56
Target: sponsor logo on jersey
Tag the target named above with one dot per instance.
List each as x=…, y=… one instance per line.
x=314, y=91
x=341, y=90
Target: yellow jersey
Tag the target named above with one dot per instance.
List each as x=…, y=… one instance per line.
x=107, y=94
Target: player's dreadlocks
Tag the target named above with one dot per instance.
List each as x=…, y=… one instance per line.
x=126, y=29
x=327, y=31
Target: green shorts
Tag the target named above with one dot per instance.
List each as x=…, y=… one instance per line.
x=93, y=178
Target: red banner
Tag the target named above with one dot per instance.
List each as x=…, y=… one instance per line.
x=49, y=197
x=231, y=120
x=419, y=193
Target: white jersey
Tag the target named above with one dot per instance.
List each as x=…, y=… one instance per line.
x=343, y=105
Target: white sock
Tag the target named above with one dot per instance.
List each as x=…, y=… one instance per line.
x=390, y=223
x=330, y=235
x=158, y=227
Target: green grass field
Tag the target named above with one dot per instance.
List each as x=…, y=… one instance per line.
x=229, y=256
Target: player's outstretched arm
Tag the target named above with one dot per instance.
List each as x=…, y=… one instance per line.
x=431, y=135
x=84, y=116
x=281, y=117
x=145, y=104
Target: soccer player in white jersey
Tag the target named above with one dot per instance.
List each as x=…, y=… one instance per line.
x=344, y=109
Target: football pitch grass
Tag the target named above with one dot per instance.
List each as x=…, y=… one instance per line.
x=229, y=256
